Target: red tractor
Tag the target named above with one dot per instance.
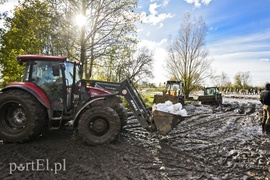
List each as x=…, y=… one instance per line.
x=52, y=94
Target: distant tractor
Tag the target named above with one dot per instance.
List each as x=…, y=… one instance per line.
x=211, y=95
x=52, y=93
x=172, y=92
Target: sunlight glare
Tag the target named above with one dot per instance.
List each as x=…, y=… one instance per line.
x=80, y=20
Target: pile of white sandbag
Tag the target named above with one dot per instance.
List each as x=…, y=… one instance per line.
x=169, y=107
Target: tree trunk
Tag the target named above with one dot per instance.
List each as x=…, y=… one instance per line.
x=82, y=41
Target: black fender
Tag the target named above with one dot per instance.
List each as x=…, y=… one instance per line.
x=35, y=91
x=32, y=89
x=86, y=105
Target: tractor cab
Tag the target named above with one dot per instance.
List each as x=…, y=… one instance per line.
x=211, y=95
x=173, y=92
x=173, y=88
x=55, y=76
x=210, y=91
x=52, y=94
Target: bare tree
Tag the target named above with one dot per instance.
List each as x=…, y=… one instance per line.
x=187, y=55
x=242, y=80
x=137, y=68
x=140, y=66
x=221, y=80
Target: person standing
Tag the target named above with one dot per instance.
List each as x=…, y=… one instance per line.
x=265, y=100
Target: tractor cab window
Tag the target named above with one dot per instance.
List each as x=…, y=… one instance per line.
x=174, y=87
x=210, y=91
x=42, y=73
x=69, y=73
x=49, y=81
x=27, y=73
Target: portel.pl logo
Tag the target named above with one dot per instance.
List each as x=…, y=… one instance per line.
x=38, y=165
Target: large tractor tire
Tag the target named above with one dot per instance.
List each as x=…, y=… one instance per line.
x=123, y=117
x=22, y=116
x=99, y=125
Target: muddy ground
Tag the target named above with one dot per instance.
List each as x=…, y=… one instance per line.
x=214, y=143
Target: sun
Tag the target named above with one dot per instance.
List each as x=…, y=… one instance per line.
x=80, y=20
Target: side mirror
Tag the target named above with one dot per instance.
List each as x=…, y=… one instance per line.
x=56, y=70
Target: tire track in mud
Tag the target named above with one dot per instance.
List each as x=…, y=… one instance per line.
x=222, y=145
x=38, y=157
x=207, y=148
x=214, y=143
x=127, y=158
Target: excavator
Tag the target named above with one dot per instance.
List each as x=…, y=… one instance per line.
x=52, y=93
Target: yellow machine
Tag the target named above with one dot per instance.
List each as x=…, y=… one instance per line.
x=172, y=92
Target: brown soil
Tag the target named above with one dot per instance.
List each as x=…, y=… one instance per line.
x=214, y=143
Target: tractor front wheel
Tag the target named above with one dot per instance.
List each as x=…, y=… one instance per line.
x=99, y=125
x=22, y=117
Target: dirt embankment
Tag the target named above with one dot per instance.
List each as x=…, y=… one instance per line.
x=214, y=143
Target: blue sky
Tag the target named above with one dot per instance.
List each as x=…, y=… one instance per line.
x=238, y=38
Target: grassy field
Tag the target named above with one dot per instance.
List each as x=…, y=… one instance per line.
x=148, y=99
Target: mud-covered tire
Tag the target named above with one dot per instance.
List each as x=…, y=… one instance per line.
x=99, y=125
x=123, y=116
x=22, y=116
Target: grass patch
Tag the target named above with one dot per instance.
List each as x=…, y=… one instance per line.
x=148, y=99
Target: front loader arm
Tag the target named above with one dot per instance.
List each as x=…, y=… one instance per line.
x=127, y=89
x=162, y=122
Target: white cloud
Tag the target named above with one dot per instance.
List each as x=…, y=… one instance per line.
x=230, y=64
x=160, y=25
x=198, y=3
x=154, y=17
x=165, y=3
x=249, y=43
x=7, y=6
x=162, y=42
x=242, y=54
x=160, y=55
x=139, y=30
x=206, y=2
x=195, y=2
x=152, y=8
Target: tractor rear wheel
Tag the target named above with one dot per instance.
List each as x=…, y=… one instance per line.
x=22, y=117
x=99, y=125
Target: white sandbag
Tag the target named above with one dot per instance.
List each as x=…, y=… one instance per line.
x=177, y=106
x=169, y=107
x=168, y=103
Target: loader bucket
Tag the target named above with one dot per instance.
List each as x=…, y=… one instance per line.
x=165, y=122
